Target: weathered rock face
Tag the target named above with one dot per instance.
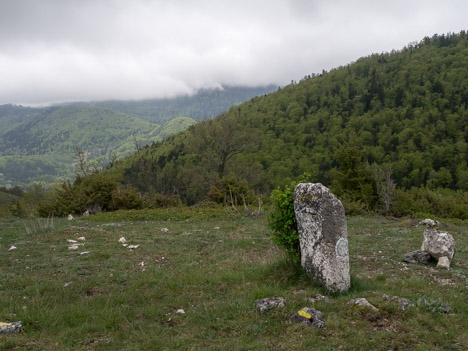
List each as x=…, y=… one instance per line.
x=440, y=245
x=417, y=257
x=268, y=303
x=323, y=235
x=310, y=317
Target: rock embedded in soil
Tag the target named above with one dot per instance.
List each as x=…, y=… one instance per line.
x=268, y=303
x=10, y=327
x=418, y=256
x=402, y=302
x=310, y=317
x=362, y=302
x=323, y=236
x=440, y=245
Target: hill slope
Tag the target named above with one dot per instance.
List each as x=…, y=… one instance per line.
x=42, y=142
x=405, y=109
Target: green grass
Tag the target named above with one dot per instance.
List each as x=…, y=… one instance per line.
x=106, y=300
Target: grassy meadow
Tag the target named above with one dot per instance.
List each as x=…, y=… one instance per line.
x=214, y=265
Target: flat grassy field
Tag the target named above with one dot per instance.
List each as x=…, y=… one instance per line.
x=213, y=266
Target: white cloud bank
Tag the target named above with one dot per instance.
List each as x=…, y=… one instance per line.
x=78, y=50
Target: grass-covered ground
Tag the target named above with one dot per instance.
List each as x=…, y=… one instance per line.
x=214, y=266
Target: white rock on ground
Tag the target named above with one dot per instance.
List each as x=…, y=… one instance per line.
x=362, y=302
x=440, y=245
x=12, y=248
x=122, y=240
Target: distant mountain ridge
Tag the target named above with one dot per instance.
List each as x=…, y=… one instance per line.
x=204, y=104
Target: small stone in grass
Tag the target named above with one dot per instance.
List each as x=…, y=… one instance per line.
x=310, y=317
x=268, y=303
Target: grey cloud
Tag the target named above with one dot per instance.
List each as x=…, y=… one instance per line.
x=55, y=50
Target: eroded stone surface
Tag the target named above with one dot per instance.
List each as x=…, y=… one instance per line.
x=268, y=303
x=402, y=302
x=443, y=262
x=323, y=235
x=10, y=327
x=310, y=317
x=417, y=257
x=438, y=243
x=362, y=302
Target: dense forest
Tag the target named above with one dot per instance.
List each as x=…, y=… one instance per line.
x=405, y=111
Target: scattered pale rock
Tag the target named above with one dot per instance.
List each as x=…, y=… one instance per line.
x=73, y=247
x=85, y=252
x=268, y=303
x=323, y=236
x=216, y=228
x=86, y=213
x=319, y=297
x=12, y=248
x=418, y=256
x=443, y=262
x=439, y=244
x=141, y=264
x=124, y=245
x=10, y=327
x=122, y=240
x=81, y=238
x=362, y=302
x=71, y=241
x=133, y=246
x=430, y=223
x=180, y=311
x=402, y=302
x=66, y=284
x=70, y=217
x=310, y=317
x=165, y=230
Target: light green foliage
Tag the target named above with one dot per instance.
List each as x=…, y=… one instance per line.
x=282, y=221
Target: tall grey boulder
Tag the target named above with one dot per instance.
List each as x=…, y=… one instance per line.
x=323, y=235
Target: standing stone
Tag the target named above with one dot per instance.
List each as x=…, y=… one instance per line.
x=323, y=235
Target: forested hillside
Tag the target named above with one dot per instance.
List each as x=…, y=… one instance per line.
x=42, y=143
x=404, y=110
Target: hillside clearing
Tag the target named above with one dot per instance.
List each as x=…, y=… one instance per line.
x=117, y=298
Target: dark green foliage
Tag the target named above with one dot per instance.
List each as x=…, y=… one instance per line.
x=353, y=181
x=126, y=198
x=92, y=193
x=404, y=110
x=231, y=191
x=156, y=200
x=423, y=201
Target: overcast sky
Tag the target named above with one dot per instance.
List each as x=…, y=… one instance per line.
x=77, y=50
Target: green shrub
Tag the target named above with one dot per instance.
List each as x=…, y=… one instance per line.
x=231, y=191
x=126, y=198
x=156, y=200
x=282, y=221
x=443, y=203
